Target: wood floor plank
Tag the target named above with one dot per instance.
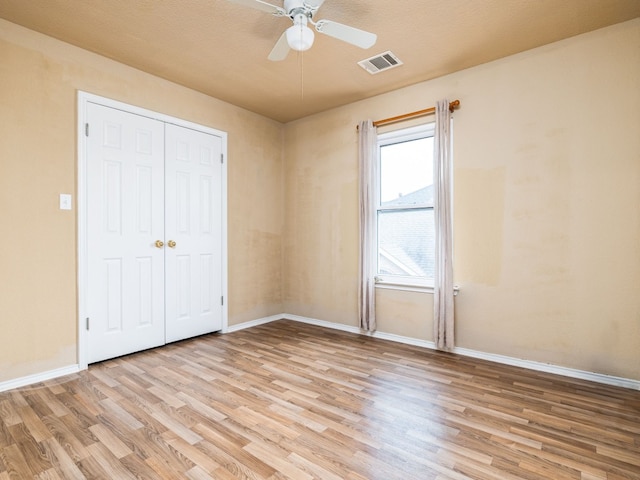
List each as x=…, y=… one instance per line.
x=200, y=407
x=138, y=467
x=293, y=401
x=63, y=464
x=36, y=403
x=5, y=436
x=71, y=439
x=174, y=426
x=163, y=459
x=272, y=455
x=109, y=463
x=33, y=452
x=110, y=440
x=191, y=451
x=8, y=413
x=50, y=474
x=231, y=456
x=312, y=468
x=198, y=473
x=160, y=469
x=48, y=398
x=14, y=462
x=119, y=414
x=33, y=423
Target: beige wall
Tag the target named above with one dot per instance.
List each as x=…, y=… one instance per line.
x=547, y=206
x=39, y=78
x=547, y=188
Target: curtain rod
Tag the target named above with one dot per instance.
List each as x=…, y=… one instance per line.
x=427, y=111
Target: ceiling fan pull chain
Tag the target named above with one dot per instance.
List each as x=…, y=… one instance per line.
x=301, y=61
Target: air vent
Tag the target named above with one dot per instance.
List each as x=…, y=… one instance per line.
x=383, y=61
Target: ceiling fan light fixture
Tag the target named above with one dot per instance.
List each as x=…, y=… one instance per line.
x=299, y=36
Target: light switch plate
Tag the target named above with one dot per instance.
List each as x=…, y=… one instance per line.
x=65, y=201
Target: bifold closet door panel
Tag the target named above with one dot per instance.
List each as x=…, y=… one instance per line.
x=193, y=225
x=125, y=219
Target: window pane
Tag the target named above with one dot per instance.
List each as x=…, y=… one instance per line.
x=406, y=242
x=406, y=173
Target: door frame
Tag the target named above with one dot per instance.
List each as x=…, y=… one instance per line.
x=84, y=98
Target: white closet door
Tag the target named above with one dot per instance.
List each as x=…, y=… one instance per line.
x=193, y=216
x=125, y=218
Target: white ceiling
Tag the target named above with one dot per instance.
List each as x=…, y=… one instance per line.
x=220, y=48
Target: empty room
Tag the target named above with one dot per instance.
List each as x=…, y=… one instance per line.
x=320, y=239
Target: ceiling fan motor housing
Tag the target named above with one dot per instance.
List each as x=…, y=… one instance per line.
x=297, y=7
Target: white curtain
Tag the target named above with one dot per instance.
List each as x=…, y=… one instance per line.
x=443, y=315
x=367, y=156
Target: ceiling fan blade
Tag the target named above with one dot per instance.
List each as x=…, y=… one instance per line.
x=260, y=5
x=281, y=49
x=348, y=34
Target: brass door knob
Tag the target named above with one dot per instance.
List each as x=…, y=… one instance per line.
x=171, y=243
x=159, y=243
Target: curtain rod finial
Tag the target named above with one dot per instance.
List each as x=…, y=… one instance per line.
x=453, y=105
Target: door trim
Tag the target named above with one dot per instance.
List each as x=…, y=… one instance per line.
x=84, y=98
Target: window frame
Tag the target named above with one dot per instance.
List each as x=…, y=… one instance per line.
x=399, y=282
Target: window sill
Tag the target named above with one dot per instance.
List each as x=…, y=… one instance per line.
x=404, y=287
x=409, y=287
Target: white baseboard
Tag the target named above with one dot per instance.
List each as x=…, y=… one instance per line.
x=348, y=328
x=38, y=377
x=550, y=368
x=322, y=323
x=492, y=357
x=252, y=323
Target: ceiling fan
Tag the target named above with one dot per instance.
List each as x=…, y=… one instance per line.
x=299, y=36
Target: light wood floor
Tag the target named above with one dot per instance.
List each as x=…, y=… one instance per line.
x=293, y=401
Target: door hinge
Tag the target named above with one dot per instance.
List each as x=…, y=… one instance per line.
x=87, y=323
x=222, y=300
x=86, y=129
x=222, y=158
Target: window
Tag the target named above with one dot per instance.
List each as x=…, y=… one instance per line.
x=404, y=205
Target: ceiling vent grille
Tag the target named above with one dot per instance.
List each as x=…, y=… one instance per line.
x=383, y=61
